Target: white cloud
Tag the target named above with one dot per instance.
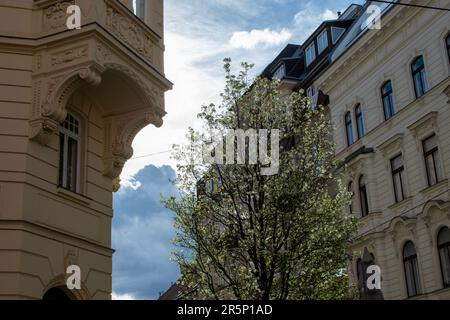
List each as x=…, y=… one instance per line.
x=265, y=37
x=126, y=296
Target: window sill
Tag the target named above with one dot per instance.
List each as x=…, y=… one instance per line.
x=72, y=196
x=434, y=188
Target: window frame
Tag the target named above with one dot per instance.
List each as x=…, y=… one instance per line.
x=280, y=72
x=443, y=246
x=363, y=197
x=421, y=74
x=359, y=118
x=400, y=171
x=322, y=39
x=334, y=41
x=349, y=128
x=434, y=153
x=310, y=48
x=414, y=263
x=385, y=94
x=77, y=136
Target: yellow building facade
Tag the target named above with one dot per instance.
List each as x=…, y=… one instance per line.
x=71, y=102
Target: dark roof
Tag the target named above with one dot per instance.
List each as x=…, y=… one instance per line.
x=288, y=52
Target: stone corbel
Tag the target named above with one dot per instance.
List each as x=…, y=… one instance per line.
x=51, y=111
x=119, y=134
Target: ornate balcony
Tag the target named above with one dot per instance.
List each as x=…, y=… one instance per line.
x=115, y=58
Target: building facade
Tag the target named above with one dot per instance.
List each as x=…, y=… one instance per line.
x=71, y=102
x=389, y=94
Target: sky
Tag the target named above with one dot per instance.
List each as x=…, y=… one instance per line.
x=199, y=34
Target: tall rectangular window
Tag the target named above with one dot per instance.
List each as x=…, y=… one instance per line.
x=432, y=163
x=419, y=77
x=310, y=53
x=69, y=150
x=322, y=41
x=388, y=100
x=398, y=177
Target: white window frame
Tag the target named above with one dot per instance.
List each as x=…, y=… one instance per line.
x=68, y=133
x=340, y=35
x=280, y=72
x=322, y=41
x=310, y=53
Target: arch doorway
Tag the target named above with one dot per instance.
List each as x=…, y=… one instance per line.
x=58, y=294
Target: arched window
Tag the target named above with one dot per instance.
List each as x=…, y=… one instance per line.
x=411, y=266
x=388, y=100
x=350, y=189
x=349, y=128
x=359, y=121
x=419, y=76
x=363, y=196
x=69, y=153
x=443, y=242
x=447, y=42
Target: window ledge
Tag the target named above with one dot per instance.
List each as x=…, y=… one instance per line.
x=435, y=187
x=401, y=204
x=76, y=197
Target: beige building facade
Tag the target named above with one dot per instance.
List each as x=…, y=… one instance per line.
x=71, y=102
x=389, y=93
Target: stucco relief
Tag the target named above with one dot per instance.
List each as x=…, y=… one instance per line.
x=129, y=32
x=55, y=16
x=87, y=64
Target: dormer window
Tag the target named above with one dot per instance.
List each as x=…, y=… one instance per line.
x=322, y=41
x=280, y=72
x=310, y=54
x=336, y=33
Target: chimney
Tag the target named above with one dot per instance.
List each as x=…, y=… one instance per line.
x=339, y=14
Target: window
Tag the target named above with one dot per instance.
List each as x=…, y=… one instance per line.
x=280, y=72
x=443, y=243
x=432, y=163
x=310, y=92
x=398, y=177
x=349, y=128
x=411, y=270
x=359, y=121
x=419, y=77
x=364, y=202
x=336, y=33
x=447, y=42
x=69, y=153
x=310, y=53
x=388, y=101
x=140, y=9
x=322, y=41
x=350, y=190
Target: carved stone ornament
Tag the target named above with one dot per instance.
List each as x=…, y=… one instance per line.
x=47, y=114
x=129, y=32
